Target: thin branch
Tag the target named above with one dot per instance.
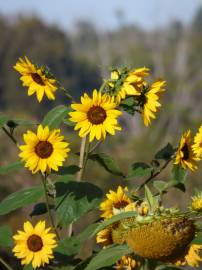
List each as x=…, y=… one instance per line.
x=95, y=147
x=8, y=267
x=153, y=175
x=10, y=135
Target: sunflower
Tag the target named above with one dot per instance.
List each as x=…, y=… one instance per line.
x=126, y=262
x=104, y=237
x=36, y=79
x=34, y=244
x=164, y=239
x=191, y=257
x=148, y=100
x=95, y=116
x=197, y=146
x=130, y=84
x=196, y=203
x=185, y=155
x=116, y=202
x=44, y=151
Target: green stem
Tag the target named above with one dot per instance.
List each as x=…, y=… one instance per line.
x=153, y=175
x=83, y=158
x=8, y=267
x=44, y=178
x=10, y=136
x=65, y=91
x=102, y=87
x=95, y=147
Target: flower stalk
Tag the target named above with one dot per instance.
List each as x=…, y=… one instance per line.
x=8, y=267
x=83, y=158
x=84, y=149
x=44, y=180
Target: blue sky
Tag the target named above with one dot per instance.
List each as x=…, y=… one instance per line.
x=146, y=13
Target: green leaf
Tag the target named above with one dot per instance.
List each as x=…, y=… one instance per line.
x=72, y=169
x=23, y=122
x=55, y=117
x=128, y=105
x=3, y=120
x=166, y=152
x=74, y=199
x=67, y=121
x=64, y=178
x=179, y=176
x=87, y=233
x=28, y=267
x=198, y=239
x=130, y=101
x=160, y=185
x=40, y=209
x=107, y=162
x=15, y=166
x=12, y=123
x=69, y=246
x=20, y=198
x=152, y=201
x=179, y=186
x=139, y=169
x=108, y=256
x=112, y=220
x=5, y=236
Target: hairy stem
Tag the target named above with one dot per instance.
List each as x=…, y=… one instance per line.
x=44, y=178
x=8, y=267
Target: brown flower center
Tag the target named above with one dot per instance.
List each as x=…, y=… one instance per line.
x=37, y=78
x=185, y=151
x=120, y=204
x=34, y=243
x=96, y=115
x=142, y=99
x=44, y=149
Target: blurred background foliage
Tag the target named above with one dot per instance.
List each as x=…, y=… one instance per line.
x=80, y=60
